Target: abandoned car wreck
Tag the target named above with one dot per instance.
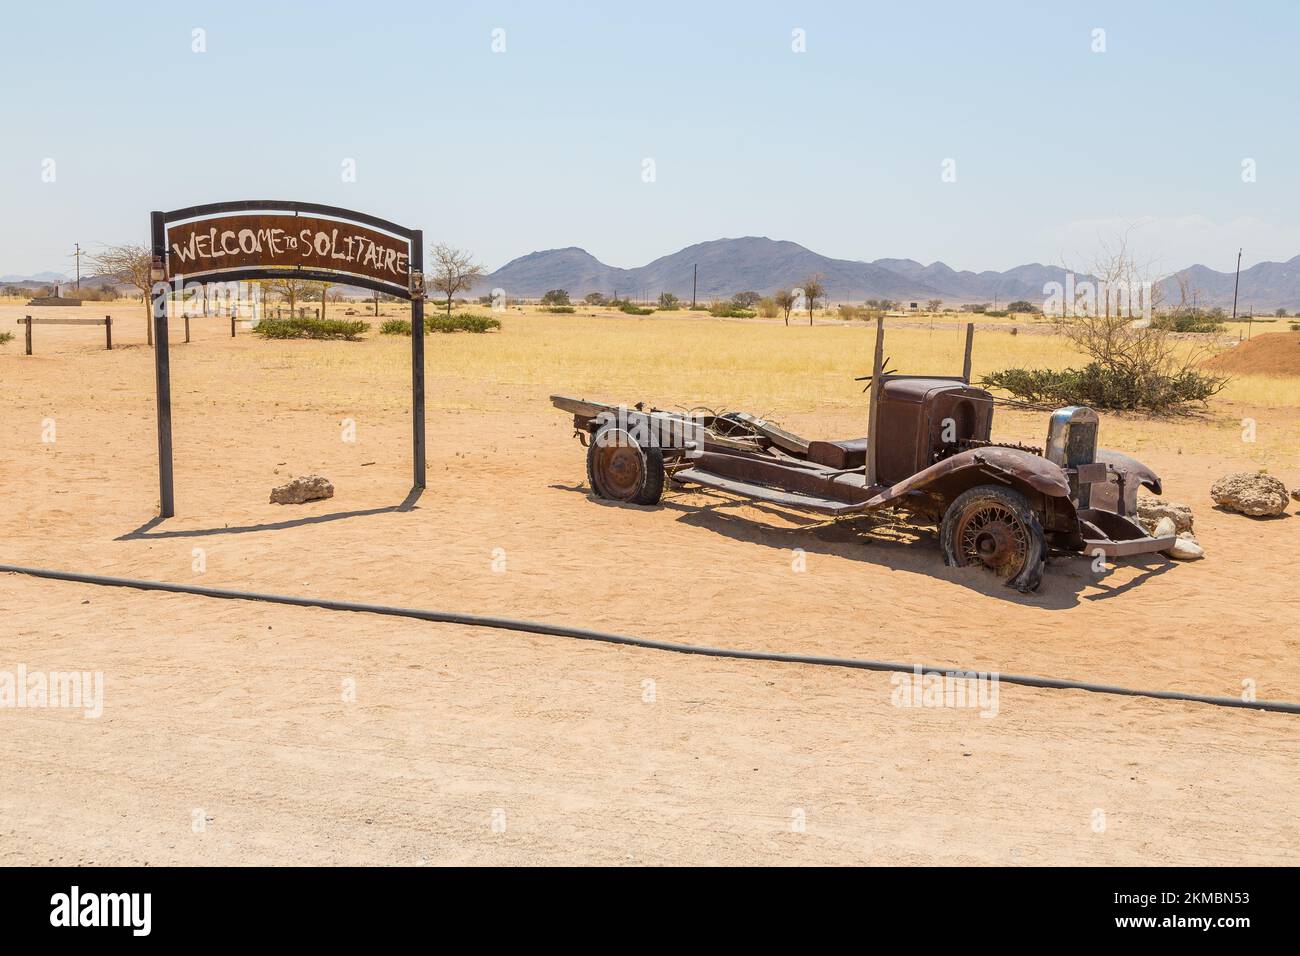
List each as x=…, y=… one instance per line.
x=929, y=451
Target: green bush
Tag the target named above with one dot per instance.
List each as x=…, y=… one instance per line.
x=302, y=328
x=628, y=307
x=441, y=322
x=1189, y=322
x=997, y=313
x=460, y=322
x=729, y=310
x=559, y=309
x=1097, y=386
x=6, y=337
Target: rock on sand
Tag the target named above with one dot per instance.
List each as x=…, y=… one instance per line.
x=306, y=488
x=1258, y=495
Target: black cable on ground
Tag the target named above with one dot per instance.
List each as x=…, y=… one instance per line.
x=558, y=630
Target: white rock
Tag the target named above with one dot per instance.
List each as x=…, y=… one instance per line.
x=1186, y=549
x=1164, y=528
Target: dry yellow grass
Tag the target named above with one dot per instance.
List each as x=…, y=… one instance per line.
x=715, y=362
x=801, y=375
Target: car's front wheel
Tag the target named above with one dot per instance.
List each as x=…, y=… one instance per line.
x=995, y=528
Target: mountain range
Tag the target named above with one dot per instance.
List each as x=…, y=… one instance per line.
x=50, y=278
x=759, y=264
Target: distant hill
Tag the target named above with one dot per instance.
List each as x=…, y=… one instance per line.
x=44, y=278
x=1265, y=286
x=759, y=264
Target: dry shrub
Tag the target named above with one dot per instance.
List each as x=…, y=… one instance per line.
x=1135, y=363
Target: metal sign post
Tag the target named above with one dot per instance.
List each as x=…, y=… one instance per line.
x=417, y=358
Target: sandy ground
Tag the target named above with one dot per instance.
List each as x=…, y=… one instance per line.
x=315, y=737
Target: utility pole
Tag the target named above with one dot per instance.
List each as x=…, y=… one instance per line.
x=1236, y=283
x=695, y=278
x=77, y=255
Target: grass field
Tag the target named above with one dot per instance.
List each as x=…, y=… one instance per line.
x=799, y=375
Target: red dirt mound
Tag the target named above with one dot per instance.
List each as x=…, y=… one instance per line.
x=1274, y=353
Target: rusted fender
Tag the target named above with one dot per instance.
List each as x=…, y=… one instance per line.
x=1035, y=471
x=1131, y=467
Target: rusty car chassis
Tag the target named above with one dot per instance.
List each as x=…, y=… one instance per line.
x=928, y=452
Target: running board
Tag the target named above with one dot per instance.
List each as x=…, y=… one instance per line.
x=746, y=490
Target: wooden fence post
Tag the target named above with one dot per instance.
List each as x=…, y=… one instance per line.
x=187, y=326
x=108, y=332
x=970, y=341
x=29, y=335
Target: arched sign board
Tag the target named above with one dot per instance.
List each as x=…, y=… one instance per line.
x=261, y=239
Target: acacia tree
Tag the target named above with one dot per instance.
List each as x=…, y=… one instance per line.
x=290, y=290
x=129, y=265
x=813, y=289
x=454, y=270
x=785, y=300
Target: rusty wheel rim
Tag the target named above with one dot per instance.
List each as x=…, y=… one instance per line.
x=991, y=534
x=620, y=469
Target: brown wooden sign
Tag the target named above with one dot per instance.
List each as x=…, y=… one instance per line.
x=274, y=241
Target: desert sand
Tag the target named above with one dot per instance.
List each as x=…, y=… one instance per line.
x=316, y=737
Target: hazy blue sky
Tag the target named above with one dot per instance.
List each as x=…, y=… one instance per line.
x=839, y=148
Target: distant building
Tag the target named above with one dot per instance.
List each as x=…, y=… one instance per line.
x=55, y=299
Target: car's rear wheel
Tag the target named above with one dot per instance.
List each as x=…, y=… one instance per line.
x=621, y=470
x=995, y=528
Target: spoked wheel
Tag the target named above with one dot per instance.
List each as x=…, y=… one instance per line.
x=995, y=528
x=621, y=470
